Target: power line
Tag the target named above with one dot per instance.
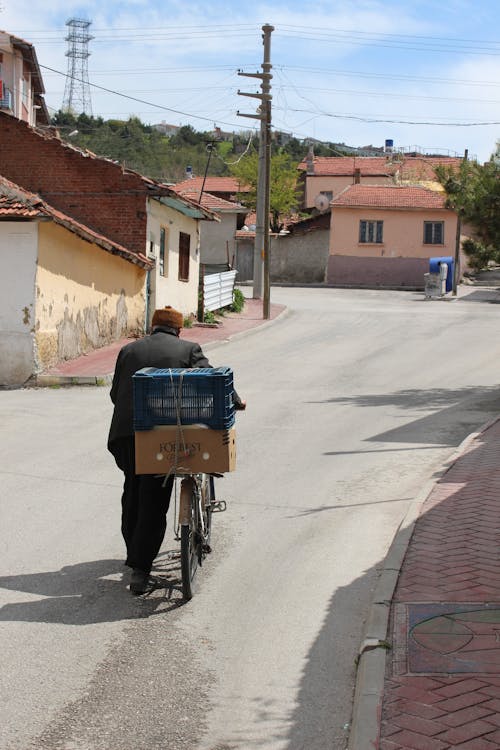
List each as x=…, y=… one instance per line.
x=369, y=118
x=142, y=101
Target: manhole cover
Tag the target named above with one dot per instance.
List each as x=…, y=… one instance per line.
x=447, y=638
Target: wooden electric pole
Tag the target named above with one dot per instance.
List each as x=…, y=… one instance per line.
x=261, y=264
x=456, y=265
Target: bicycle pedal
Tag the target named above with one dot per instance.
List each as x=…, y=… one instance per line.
x=219, y=506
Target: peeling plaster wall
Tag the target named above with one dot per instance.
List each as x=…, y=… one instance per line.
x=18, y=253
x=85, y=296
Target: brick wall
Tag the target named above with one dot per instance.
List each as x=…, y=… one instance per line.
x=94, y=191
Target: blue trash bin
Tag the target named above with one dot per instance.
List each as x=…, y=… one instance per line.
x=434, y=264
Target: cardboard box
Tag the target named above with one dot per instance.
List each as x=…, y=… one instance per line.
x=198, y=449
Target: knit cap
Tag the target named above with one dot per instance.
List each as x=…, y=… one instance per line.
x=167, y=316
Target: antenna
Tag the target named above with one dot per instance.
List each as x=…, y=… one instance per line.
x=77, y=88
x=322, y=202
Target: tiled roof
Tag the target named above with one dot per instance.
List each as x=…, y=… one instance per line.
x=389, y=196
x=15, y=202
x=213, y=184
x=346, y=165
x=423, y=167
x=212, y=202
x=16, y=209
x=403, y=165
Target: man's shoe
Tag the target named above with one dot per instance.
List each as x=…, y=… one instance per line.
x=139, y=581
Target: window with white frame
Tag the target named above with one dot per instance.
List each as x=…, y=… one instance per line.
x=371, y=231
x=433, y=232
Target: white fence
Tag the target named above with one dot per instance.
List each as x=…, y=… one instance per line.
x=218, y=290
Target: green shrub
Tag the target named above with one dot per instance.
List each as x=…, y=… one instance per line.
x=238, y=301
x=209, y=317
x=480, y=255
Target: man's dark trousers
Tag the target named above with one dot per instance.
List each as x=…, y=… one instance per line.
x=145, y=504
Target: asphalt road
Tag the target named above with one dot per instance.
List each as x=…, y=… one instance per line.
x=355, y=400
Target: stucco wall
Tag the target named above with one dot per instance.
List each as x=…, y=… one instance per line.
x=85, y=296
x=377, y=272
x=217, y=239
x=352, y=262
x=18, y=252
x=12, y=76
x=403, y=233
x=300, y=258
x=167, y=289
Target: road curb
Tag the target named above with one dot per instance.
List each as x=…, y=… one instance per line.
x=242, y=334
x=372, y=656
x=54, y=381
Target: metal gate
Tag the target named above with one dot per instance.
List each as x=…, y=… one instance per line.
x=218, y=290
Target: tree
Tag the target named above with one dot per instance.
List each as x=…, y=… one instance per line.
x=474, y=193
x=283, y=185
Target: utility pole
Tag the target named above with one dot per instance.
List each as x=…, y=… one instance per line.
x=456, y=269
x=261, y=266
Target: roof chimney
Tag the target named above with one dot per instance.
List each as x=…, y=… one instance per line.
x=357, y=176
x=310, y=160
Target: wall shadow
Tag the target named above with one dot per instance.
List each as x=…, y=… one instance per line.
x=460, y=492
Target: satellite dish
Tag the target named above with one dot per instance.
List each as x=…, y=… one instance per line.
x=322, y=202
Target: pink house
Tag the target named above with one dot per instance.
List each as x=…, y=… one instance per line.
x=21, y=85
x=384, y=235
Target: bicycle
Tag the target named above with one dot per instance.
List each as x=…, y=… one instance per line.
x=197, y=503
x=183, y=420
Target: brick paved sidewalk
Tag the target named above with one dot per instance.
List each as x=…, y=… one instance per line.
x=442, y=684
x=100, y=363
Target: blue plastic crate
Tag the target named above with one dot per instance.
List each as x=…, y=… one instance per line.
x=189, y=396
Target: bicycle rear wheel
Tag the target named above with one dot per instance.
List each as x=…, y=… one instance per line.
x=196, y=528
x=189, y=536
x=189, y=560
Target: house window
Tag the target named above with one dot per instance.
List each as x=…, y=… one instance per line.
x=25, y=87
x=327, y=193
x=433, y=232
x=163, y=259
x=371, y=231
x=184, y=252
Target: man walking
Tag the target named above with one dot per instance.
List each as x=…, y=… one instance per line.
x=146, y=497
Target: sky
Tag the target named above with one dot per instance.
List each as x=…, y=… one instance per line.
x=423, y=74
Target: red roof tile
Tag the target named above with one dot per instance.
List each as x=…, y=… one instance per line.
x=212, y=202
x=12, y=208
x=405, y=166
x=346, y=165
x=389, y=196
x=213, y=185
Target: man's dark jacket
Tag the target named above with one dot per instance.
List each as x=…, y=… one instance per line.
x=161, y=349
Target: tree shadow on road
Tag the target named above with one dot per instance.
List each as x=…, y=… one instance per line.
x=455, y=412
